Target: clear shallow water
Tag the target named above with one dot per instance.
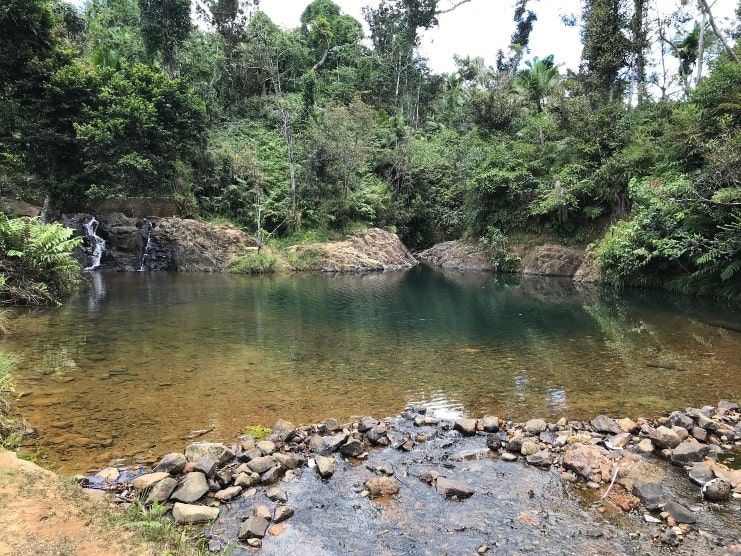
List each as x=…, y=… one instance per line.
x=132, y=367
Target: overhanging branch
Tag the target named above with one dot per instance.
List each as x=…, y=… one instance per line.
x=453, y=7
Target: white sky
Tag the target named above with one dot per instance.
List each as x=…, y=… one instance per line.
x=482, y=27
x=478, y=28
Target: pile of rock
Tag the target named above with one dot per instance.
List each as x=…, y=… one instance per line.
x=606, y=454
x=609, y=454
x=200, y=481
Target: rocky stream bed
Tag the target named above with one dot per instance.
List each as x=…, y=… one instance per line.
x=420, y=483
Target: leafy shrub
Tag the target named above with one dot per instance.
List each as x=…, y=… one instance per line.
x=254, y=263
x=501, y=258
x=8, y=363
x=308, y=257
x=676, y=239
x=36, y=261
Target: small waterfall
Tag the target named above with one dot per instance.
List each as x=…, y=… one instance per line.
x=146, y=230
x=91, y=229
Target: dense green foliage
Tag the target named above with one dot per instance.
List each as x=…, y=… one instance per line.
x=314, y=128
x=254, y=263
x=36, y=265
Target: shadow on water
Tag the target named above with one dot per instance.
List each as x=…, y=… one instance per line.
x=141, y=360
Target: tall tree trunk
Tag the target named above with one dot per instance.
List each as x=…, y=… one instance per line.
x=638, y=30
x=287, y=132
x=700, y=49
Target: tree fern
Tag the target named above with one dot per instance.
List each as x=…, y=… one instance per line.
x=36, y=261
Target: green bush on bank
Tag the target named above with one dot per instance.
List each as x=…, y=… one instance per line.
x=255, y=263
x=8, y=425
x=308, y=257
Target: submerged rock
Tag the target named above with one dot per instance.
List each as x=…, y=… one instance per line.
x=679, y=512
x=253, y=527
x=717, y=490
x=449, y=488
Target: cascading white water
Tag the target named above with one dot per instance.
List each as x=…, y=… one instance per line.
x=91, y=228
x=147, y=246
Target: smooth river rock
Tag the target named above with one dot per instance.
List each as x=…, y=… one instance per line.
x=535, y=426
x=193, y=513
x=213, y=450
x=688, y=452
x=227, y=494
x=663, y=437
x=603, y=423
x=651, y=495
x=172, y=463
x=679, y=512
x=717, y=490
x=148, y=480
x=254, y=527
x=192, y=489
x=582, y=459
x=262, y=464
x=161, y=491
x=467, y=427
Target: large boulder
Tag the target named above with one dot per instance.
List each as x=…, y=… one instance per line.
x=552, y=260
x=457, y=255
x=373, y=250
x=191, y=245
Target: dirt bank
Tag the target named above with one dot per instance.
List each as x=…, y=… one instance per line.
x=43, y=514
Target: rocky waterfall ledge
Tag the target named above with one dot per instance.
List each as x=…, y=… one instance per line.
x=187, y=245
x=418, y=484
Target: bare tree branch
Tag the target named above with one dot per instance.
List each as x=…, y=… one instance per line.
x=706, y=10
x=453, y=7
